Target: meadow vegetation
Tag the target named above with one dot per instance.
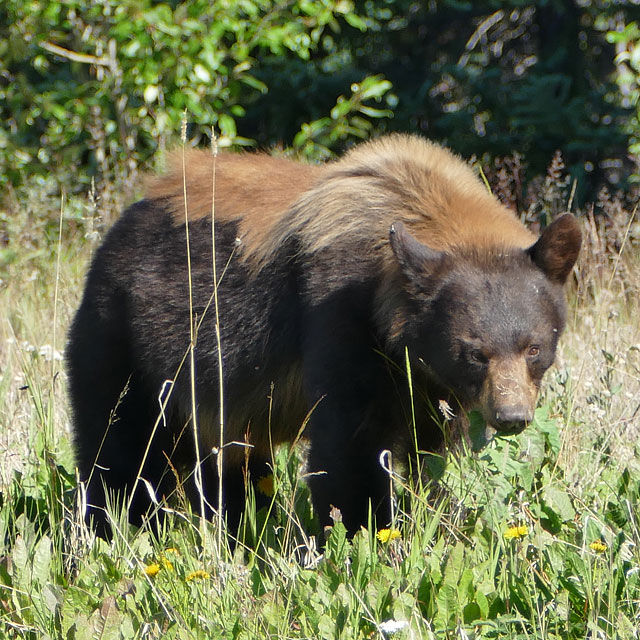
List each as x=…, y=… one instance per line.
x=535, y=536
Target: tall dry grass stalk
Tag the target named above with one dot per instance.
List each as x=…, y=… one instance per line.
x=192, y=342
x=220, y=456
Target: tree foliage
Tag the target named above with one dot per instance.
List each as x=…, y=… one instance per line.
x=99, y=87
x=627, y=42
x=495, y=76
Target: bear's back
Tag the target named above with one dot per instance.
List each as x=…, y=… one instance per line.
x=354, y=200
x=397, y=178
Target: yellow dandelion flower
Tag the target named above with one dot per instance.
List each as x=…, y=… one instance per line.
x=265, y=485
x=598, y=546
x=386, y=535
x=199, y=574
x=166, y=563
x=152, y=569
x=513, y=533
x=172, y=550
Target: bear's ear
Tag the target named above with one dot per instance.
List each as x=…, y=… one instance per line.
x=556, y=250
x=415, y=258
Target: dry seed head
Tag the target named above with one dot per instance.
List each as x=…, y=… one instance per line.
x=183, y=127
x=214, y=142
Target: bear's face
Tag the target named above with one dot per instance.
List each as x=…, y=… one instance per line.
x=489, y=337
x=486, y=325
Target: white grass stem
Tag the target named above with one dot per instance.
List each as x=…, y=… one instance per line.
x=55, y=301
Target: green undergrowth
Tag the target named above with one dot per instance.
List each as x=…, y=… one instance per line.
x=535, y=536
x=508, y=549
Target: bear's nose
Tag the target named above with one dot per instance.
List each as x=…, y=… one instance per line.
x=512, y=420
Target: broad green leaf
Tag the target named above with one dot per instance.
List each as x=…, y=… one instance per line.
x=42, y=560
x=20, y=558
x=560, y=502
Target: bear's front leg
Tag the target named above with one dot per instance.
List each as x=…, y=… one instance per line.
x=351, y=423
x=344, y=466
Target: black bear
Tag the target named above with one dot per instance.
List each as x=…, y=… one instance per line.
x=327, y=276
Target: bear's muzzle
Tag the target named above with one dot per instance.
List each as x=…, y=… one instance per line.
x=509, y=394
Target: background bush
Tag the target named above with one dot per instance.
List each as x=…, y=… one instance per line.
x=101, y=86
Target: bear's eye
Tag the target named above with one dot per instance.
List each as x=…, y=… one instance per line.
x=533, y=351
x=477, y=357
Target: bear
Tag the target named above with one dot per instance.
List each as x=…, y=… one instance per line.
x=330, y=278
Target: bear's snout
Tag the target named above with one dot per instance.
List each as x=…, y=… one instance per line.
x=509, y=395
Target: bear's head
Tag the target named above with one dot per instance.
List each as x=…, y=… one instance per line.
x=485, y=323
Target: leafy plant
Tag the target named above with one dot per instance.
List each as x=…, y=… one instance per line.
x=627, y=43
x=102, y=87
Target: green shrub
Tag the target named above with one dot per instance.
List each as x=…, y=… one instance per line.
x=96, y=89
x=627, y=42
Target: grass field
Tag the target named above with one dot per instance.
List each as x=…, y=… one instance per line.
x=535, y=537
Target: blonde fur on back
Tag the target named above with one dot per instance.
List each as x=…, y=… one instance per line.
x=397, y=178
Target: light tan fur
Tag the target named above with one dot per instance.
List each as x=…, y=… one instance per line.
x=397, y=178
x=507, y=384
x=254, y=189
